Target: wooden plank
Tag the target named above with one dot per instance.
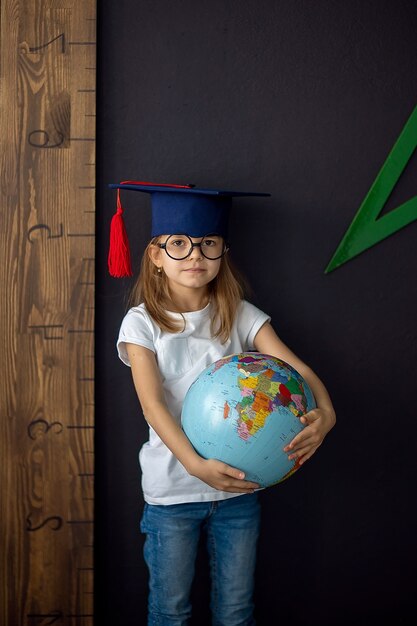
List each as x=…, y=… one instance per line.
x=47, y=203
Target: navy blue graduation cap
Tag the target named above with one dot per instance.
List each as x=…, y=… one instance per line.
x=176, y=210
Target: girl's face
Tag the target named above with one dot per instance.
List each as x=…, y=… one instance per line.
x=194, y=272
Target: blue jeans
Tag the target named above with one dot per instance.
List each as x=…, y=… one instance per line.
x=172, y=536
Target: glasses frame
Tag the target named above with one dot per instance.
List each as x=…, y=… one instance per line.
x=163, y=246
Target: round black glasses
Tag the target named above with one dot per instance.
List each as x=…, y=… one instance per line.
x=180, y=247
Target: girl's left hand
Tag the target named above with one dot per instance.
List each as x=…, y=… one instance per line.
x=318, y=423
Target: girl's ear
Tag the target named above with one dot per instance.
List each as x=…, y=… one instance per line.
x=154, y=253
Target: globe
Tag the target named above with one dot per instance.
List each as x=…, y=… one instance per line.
x=244, y=409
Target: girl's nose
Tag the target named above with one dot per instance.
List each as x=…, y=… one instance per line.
x=196, y=252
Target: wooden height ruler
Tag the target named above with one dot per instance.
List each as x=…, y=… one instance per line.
x=47, y=229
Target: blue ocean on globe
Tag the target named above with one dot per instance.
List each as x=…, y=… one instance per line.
x=243, y=409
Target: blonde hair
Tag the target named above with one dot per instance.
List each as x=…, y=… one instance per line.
x=226, y=290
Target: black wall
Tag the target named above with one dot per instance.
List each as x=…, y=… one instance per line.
x=303, y=99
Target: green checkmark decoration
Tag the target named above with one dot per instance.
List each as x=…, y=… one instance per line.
x=367, y=229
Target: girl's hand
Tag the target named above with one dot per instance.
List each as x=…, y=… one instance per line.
x=222, y=476
x=318, y=423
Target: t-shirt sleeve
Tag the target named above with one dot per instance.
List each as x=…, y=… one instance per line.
x=251, y=320
x=135, y=328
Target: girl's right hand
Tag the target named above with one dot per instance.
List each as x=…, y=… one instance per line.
x=222, y=476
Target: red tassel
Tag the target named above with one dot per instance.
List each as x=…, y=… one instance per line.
x=119, y=252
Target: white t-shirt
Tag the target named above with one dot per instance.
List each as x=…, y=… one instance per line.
x=181, y=358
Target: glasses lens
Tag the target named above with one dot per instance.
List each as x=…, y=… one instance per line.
x=212, y=246
x=178, y=246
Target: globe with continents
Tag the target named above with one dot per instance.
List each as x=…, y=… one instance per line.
x=243, y=409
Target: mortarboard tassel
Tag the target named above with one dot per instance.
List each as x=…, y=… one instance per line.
x=119, y=252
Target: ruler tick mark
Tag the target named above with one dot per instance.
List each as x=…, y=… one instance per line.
x=46, y=328
x=81, y=43
x=54, y=616
x=82, y=138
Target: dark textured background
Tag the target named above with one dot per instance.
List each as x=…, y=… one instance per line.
x=305, y=100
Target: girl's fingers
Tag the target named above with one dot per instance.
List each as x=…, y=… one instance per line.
x=308, y=455
x=241, y=484
x=303, y=436
x=304, y=453
x=237, y=486
x=233, y=472
x=238, y=489
x=296, y=443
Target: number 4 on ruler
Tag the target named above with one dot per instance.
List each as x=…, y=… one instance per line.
x=366, y=228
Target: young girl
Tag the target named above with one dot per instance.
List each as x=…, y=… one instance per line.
x=188, y=311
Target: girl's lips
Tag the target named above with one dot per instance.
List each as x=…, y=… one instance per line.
x=195, y=269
